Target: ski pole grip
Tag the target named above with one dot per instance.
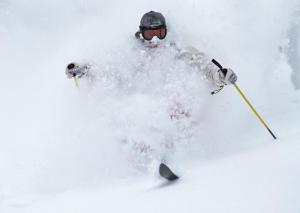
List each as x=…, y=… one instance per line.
x=224, y=71
x=217, y=64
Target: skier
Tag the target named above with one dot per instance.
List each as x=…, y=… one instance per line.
x=153, y=27
x=152, y=34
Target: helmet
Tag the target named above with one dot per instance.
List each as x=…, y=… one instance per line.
x=153, y=21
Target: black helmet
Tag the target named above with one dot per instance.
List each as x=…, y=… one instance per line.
x=152, y=20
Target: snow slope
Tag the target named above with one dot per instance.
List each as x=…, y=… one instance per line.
x=265, y=179
x=60, y=147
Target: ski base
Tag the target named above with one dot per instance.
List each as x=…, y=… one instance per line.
x=166, y=172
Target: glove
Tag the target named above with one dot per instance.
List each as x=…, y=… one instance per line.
x=75, y=70
x=227, y=76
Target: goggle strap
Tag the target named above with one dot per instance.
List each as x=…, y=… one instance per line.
x=138, y=34
x=152, y=28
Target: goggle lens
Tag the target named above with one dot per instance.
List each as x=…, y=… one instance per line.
x=148, y=34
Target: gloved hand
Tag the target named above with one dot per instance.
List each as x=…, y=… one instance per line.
x=227, y=76
x=76, y=70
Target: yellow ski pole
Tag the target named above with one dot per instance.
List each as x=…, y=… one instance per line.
x=247, y=101
x=76, y=82
x=255, y=112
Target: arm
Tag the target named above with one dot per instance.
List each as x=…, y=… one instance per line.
x=211, y=72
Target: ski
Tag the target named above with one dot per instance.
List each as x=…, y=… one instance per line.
x=166, y=172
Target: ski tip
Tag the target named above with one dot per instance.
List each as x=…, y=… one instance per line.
x=167, y=173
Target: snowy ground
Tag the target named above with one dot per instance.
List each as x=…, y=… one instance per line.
x=62, y=149
x=264, y=179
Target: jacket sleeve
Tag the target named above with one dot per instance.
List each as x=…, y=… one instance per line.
x=201, y=62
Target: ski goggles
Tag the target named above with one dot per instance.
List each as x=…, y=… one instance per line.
x=148, y=34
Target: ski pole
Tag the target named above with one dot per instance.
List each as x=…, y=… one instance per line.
x=247, y=101
x=76, y=82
